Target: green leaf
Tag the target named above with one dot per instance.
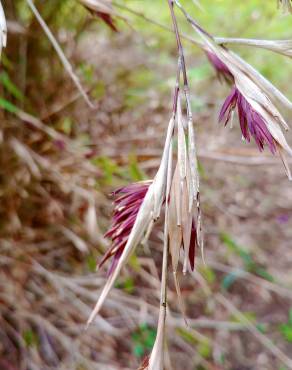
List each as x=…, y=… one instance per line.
x=135, y=173
x=234, y=247
x=204, y=349
x=249, y=263
x=208, y=274
x=139, y=350
x=7, y=105
x=127, y=285
x=260, y=271
x=201, y=170
x=30, y=338
x=248, y=315
x=91, y=263
x=134, y=263
x=99, y=91
x=290, y=317
x=66, y=125
x=286, y=331
x=143, y=339
x=87, y=71
x=261, y=327
x=187, y=335
x=109, y=168
x=230, y=279
x=10, y=86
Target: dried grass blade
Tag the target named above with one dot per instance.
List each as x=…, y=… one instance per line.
x=75, y=239
x=24, y=155
x=67, y=65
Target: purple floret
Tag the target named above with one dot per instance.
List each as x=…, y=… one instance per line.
x=251, y=122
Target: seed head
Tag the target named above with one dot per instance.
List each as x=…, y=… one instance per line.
x=127, y=204
x=251, y=122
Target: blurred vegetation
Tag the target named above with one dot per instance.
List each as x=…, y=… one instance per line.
x=55, y=185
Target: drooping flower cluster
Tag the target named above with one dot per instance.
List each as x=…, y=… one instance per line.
x=258, y=117
x=251, y=92
x=251, y=122
x=138, y=206
x=127, y=204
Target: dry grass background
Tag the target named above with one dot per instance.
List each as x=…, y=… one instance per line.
x=60, y=160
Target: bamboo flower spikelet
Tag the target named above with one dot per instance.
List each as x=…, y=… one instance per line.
x=138, y=206
x=251, y=123
x=251, y=93
x=127, y=204
x=258, y=116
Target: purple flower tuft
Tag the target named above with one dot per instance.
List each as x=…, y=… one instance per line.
x=251, y=122
x=127, y=206
x=221, y=69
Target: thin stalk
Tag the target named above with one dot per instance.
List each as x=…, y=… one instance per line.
x=182, y=63
x=156, y=361
x=67, y=65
